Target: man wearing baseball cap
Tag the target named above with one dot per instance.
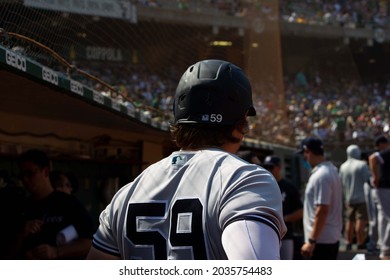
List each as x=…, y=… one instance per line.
x=292, y=205
x=322, y=212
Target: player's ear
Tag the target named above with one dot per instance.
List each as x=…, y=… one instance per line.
x=242, y=127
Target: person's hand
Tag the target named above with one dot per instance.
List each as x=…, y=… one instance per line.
x=307, y=250
x=32, y=227
x=42, y=252
x=375, y=182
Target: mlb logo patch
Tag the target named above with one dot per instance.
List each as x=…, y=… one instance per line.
x=179, y=160
x=205, y=118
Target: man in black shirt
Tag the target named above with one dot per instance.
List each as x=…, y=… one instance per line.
x=56, y=225
x=380, y=167
x=292, y=205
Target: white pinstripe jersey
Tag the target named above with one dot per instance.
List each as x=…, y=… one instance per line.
x=178, y=207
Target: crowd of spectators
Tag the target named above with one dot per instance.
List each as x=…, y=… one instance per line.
x=334, y=108
x=132, y=86
x=330, y=107
x=354, y=14
x=327, y=106
x=337, y=108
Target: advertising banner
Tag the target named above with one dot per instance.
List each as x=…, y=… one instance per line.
x=121, y=9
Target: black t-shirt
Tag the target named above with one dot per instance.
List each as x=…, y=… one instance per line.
x=57, y=211
x=384, y=180
x=12, y=202
x=291, y=202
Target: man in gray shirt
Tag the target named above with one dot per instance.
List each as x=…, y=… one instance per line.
x=322, y=211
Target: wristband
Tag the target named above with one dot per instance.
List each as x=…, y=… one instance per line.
x=312, y=241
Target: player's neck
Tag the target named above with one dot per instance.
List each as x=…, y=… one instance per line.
x=317, y=160
x=231, y=147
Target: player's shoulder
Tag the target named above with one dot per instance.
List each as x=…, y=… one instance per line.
x=211, y=155
x=206, y=158
x=229, y=161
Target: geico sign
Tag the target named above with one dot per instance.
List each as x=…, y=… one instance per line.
x=115, y=105
x=76, y=87
x=97, y=97
x=16, y=61
x=49, y=76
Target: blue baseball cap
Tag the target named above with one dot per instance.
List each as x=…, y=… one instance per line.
x=271, y=161
x=312, y=144
x=380, y=140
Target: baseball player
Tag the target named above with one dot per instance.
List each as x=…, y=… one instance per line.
x=203, y=201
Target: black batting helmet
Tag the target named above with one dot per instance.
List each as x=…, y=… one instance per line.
x=213, y=92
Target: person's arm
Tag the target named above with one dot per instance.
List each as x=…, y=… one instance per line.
x=73, y=250
x=321, y=215
x=250, y=240
x=293, y=198
x=95, y=254
x=294, y=216
x=76, y=248
x=373, y=163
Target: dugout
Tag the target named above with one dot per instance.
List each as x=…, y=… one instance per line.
x=101, y=144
